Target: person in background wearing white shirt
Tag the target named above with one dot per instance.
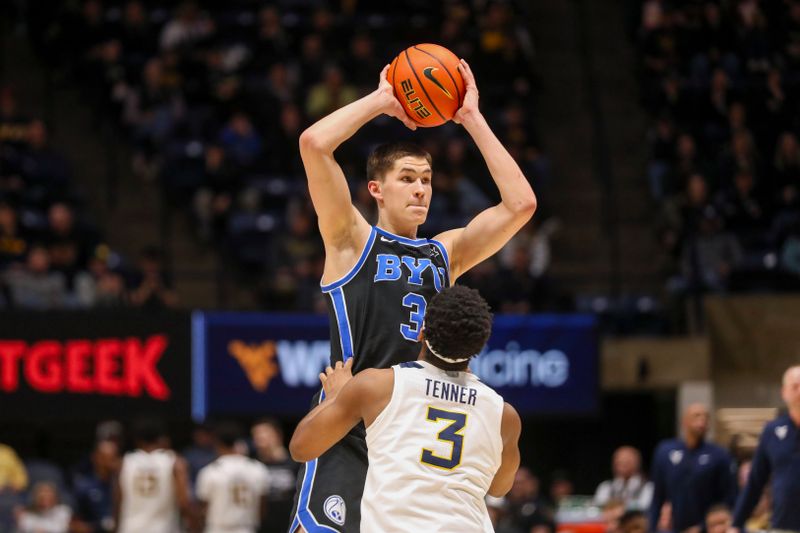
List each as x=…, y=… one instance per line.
x=232, y=490
x=628, y=484
x=45, y=515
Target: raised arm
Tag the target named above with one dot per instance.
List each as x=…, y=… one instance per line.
x=494, y=227
x=510, y=429
x=340, y=223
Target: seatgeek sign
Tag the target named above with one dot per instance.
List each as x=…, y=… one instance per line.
x=94, y=364
x=252, y=363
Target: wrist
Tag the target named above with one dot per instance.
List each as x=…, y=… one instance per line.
x=472, y=119
x=378, y=102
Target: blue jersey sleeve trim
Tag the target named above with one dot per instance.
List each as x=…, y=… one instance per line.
x=442, y=249
x=360, y=263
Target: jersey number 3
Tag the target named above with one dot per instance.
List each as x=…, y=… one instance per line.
x=450, y=434
x=417, y=304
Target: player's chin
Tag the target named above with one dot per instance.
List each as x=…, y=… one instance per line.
x=418, y=214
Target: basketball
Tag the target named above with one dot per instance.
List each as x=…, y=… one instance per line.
x=427, y=83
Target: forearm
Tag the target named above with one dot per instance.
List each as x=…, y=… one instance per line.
x=329, y=132
x=515, y=191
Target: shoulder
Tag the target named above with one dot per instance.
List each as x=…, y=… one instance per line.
x=666, y=446
x=372, y=380
x=511, y=424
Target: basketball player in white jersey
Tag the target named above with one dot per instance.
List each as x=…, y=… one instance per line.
x=232, y=490
x=438, y=439
x=152, y=491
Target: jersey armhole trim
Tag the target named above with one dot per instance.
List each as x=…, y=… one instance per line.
x=353, y=271
x=442, y=249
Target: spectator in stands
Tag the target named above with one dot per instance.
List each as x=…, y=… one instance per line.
x=777, y=457
x=93, y=491
x=202, y=452
x=691, y=474
x=718, y=519
x=188, y=26
x=13, y=481
x=527, y=508
x=13, y=243
x=498, y=514
x=44, y=168
x=214, y=199
x=295, y=258
x=241, y=141
x=330, y=94
x=36, y=286
x=633, y=522
x=561, y=487
x=99, y=285
x=613, y=510
x=45, y=512
x=708, y=257
x=269, y=448
x=628, y=483
x=152, y=286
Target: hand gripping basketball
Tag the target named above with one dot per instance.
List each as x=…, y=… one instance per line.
x=389, y=104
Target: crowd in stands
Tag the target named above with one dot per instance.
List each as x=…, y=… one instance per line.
x=721, y=82
x=213, y=98
x=52, y=254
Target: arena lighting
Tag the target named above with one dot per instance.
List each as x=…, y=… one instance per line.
x=105, y=367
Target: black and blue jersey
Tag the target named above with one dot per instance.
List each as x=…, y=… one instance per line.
x=377, y=309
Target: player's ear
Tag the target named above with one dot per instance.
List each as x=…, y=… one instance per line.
x=375, y=189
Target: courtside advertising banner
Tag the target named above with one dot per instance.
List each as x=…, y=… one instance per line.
x=252, y=363
x=82, y=365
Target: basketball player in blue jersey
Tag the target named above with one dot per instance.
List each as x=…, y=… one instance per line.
x=379, y=279
x=439, y=440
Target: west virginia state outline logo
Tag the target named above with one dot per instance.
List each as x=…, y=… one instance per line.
x=257, y=361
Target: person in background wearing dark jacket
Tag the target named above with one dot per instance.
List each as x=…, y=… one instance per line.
x=691, y=474
x=778, y=455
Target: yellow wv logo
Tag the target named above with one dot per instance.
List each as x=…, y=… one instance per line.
x=257, y=361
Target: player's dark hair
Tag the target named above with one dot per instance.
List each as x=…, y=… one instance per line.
x=457, y=325
x=148, y=430
x=382, y=158
x=227, y=432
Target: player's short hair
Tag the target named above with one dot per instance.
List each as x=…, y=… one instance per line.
x=148, y=430
x=227, y=432
x=382, y=158
x=718, y=508
x=457, y=325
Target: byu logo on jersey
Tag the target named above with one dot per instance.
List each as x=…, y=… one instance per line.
x=335, y=509
x=781, y=431
x=390, y=268
x=675, y=456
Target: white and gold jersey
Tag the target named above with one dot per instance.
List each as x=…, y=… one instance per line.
x=232, y=486
x=147, y=484
x=433, y=453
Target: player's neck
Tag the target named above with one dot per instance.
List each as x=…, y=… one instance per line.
x=409, y=232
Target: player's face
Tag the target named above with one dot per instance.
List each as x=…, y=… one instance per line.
x=405, y=192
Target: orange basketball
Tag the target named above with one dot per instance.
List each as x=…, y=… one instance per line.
x=427, y=83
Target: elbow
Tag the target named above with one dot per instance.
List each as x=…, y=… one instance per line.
x=525, y=206
x=297, y=451
x=499, y=492
x=309, y=141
